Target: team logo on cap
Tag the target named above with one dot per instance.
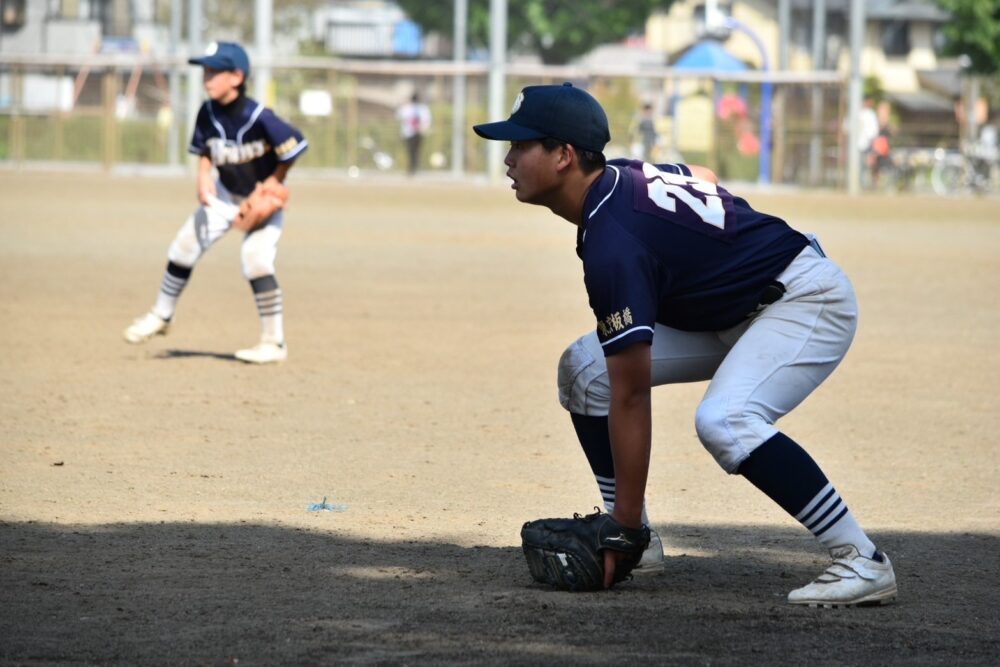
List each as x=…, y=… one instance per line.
x=211, y=49
x=517, y=102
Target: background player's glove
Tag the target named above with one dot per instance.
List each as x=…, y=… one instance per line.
x=266, y=199
x=566, y=553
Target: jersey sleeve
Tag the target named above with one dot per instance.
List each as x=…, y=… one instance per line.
x=287, y=141
x=622, y=280
x=201, y=134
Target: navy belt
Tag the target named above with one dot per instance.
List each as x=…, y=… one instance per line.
x=771, y=293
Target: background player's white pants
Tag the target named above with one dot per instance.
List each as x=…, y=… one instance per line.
x=759, y=370
x=209, y=223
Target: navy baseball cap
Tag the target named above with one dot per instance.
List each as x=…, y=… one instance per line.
x=226, y=56
x=563, y=112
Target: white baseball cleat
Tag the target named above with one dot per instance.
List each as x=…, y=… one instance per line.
x=263, y=353
x=652, y=558
x=145, y=327
x=851, y=580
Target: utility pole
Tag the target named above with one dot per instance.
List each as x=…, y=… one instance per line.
x=780, y=130
x=194, y=92
x=173, y=136
x=460, y=39
x=498, y=71
x=263, y=29
x=857, y=31
x=816, y=101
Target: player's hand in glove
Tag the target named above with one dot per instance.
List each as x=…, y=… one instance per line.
x=266, y=199
x=571, y=554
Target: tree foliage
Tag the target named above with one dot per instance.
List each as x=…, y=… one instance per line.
x=556, y=30
x=974, y=31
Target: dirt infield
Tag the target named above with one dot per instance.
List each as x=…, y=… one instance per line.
x=153, y=499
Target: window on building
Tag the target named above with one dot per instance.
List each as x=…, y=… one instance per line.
x=12, y=14
x=895, y=38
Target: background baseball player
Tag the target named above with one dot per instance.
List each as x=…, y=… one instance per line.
x=689, y=283
x=242, y=147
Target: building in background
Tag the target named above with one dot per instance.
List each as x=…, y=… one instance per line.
x=366, y=29
x=901, y=47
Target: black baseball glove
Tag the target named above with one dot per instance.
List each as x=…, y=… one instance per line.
x=566, y=553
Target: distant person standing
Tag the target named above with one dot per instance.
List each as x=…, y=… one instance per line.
x=644, y=135
x=414, y=122
x=868, y=133
x=880, y=153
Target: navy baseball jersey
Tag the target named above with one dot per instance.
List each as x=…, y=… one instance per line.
x=660, y=246
x=245, y=141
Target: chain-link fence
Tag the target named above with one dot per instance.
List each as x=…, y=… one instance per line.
x=117, y=110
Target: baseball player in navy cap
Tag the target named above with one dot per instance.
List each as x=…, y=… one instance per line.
x=242, y=146
x=687, y=283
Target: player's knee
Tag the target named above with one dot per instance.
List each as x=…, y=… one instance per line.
x=719, y=430
x=256, y=261
x=583, y=380
x=185, y=248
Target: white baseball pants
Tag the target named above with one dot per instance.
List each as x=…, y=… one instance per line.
x=759, y=370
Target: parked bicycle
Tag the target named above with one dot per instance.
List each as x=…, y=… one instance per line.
x=976, y=169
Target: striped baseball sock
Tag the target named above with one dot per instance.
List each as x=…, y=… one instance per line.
x=175, y=278
x=790, y=477
x=596, y=442
x=270, y=304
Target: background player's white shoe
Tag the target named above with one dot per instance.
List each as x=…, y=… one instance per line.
x=263, y=353
x=851, y=580
x=145, y=327
x=652, y=558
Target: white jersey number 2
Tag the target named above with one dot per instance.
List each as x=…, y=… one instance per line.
x=666, y=189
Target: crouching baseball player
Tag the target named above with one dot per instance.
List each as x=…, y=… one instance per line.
x=250, y=149
x=687, y=283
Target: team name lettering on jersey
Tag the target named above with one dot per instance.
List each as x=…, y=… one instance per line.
x=615, y=322
x=226, y=151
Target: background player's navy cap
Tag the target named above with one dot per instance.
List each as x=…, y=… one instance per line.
x=563, y=112
x=224, y=56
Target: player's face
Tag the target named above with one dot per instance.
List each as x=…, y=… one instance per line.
x=532, y=170
x=222, y=85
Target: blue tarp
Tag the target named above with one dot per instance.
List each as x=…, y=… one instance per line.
x=710, y=55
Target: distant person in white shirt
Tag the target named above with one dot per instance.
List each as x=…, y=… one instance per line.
x=414, y=122
x=868, y=132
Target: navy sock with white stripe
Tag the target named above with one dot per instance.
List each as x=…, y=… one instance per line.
x=175, y=279
x=596, y=442
x=270, y=307
x=790, y=477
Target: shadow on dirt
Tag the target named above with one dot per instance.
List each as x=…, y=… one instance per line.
x=176, y=593
x=191, y=354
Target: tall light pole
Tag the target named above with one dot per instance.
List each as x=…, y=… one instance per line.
x=263, y=29
x=854, y=97
x=194, y=92
x=498, y=71
x=818, y=63
x=173, y=134
x=458, y=89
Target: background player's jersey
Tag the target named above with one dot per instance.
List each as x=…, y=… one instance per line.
x=659, y=245
x=245, y=141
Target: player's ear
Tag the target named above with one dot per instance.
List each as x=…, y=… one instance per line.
x=567, y=155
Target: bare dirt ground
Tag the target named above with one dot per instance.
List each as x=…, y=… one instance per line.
x=153, y=499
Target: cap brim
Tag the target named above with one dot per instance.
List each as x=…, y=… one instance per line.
x=213, y=62
x=506, y=130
